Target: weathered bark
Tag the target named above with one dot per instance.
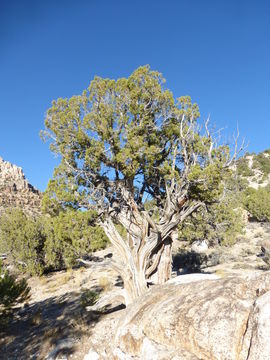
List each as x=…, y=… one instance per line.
x=134, y=283
x=146, y=254
x=130, y=268
x=164, y=270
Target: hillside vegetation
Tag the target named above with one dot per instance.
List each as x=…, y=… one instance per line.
x=41, y=244
x=58, y=237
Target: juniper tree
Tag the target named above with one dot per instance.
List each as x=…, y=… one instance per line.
x=12, y=291
x=71, y=235
x=23, y=239
x=127, y=142
x=47, y=243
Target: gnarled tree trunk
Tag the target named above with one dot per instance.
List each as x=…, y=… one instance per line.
x=144, y=261
x=164, y=270
x=146, y=253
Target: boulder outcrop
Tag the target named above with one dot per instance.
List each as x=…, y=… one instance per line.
x=15, y=190
x=206, y=319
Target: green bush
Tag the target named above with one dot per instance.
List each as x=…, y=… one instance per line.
x=267, y=151
x=262, y=163
x=219, y=223
x=70, y=235
x=243, y=169
x=23, y=239
x=12, y=291
x=257, y=202
x=47, y=243
x=88, y=298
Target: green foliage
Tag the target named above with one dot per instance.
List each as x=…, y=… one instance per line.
x=267, y=152
x=12, y=291
x=129, y=129
x=257, y=202
x=242, y=167
x=70, y=235
x=262, y=162
x=46, y=243
x=235, y=186
x=220, y=223
x=23, y=238
x=61, y=194
x=88, y=298
x=206, y=183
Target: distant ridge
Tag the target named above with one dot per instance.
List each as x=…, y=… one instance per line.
x=16, y=191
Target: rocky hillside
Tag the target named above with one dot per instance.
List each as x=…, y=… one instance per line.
x=255, y=168
x=15, y=190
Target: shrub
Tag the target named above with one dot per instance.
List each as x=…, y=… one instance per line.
x=12, y=291
x=267, y=152
x=70, y=235
x=262, y=163
x=243, y=169
x=257, y=202
x=23, y=238
x=47, y=243
x=219, y=223
x=88, y=298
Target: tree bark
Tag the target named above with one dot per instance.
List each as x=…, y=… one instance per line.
x=146, y=254
x=164, y=270
x=130, y=268
x=135, y=283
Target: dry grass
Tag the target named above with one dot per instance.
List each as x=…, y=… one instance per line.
x=258, y=233
x=36, y=318
x=43, y=280
x=51, y=333
x=104, y=283
x=222, y=273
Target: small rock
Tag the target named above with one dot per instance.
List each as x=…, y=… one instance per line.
x=92, y=355
x=199, y=246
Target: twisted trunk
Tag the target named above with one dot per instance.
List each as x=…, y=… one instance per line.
x=146, y=253
x=164, y=270
x=142, y=262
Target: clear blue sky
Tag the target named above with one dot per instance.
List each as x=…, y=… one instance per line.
x=218, y=52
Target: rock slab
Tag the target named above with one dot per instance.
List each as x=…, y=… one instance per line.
x=210, y=319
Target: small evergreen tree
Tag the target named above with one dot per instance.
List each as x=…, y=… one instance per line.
x=257, y=202
x=70, y=235
x=23, y=239
x=219, y=223
x=12, y=291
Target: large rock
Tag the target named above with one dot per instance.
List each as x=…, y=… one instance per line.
x=260, y=329
x=15, y=190
x=217, y=319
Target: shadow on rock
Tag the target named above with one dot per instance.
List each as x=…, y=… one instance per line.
x=186, y=262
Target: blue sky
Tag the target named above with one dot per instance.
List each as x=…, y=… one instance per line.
x=218, y=52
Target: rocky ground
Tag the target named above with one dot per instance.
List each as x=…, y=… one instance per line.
x=56, y=314
x=58, y=322
x=242, y=257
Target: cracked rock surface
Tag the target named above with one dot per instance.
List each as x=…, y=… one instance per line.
x=217, y=319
